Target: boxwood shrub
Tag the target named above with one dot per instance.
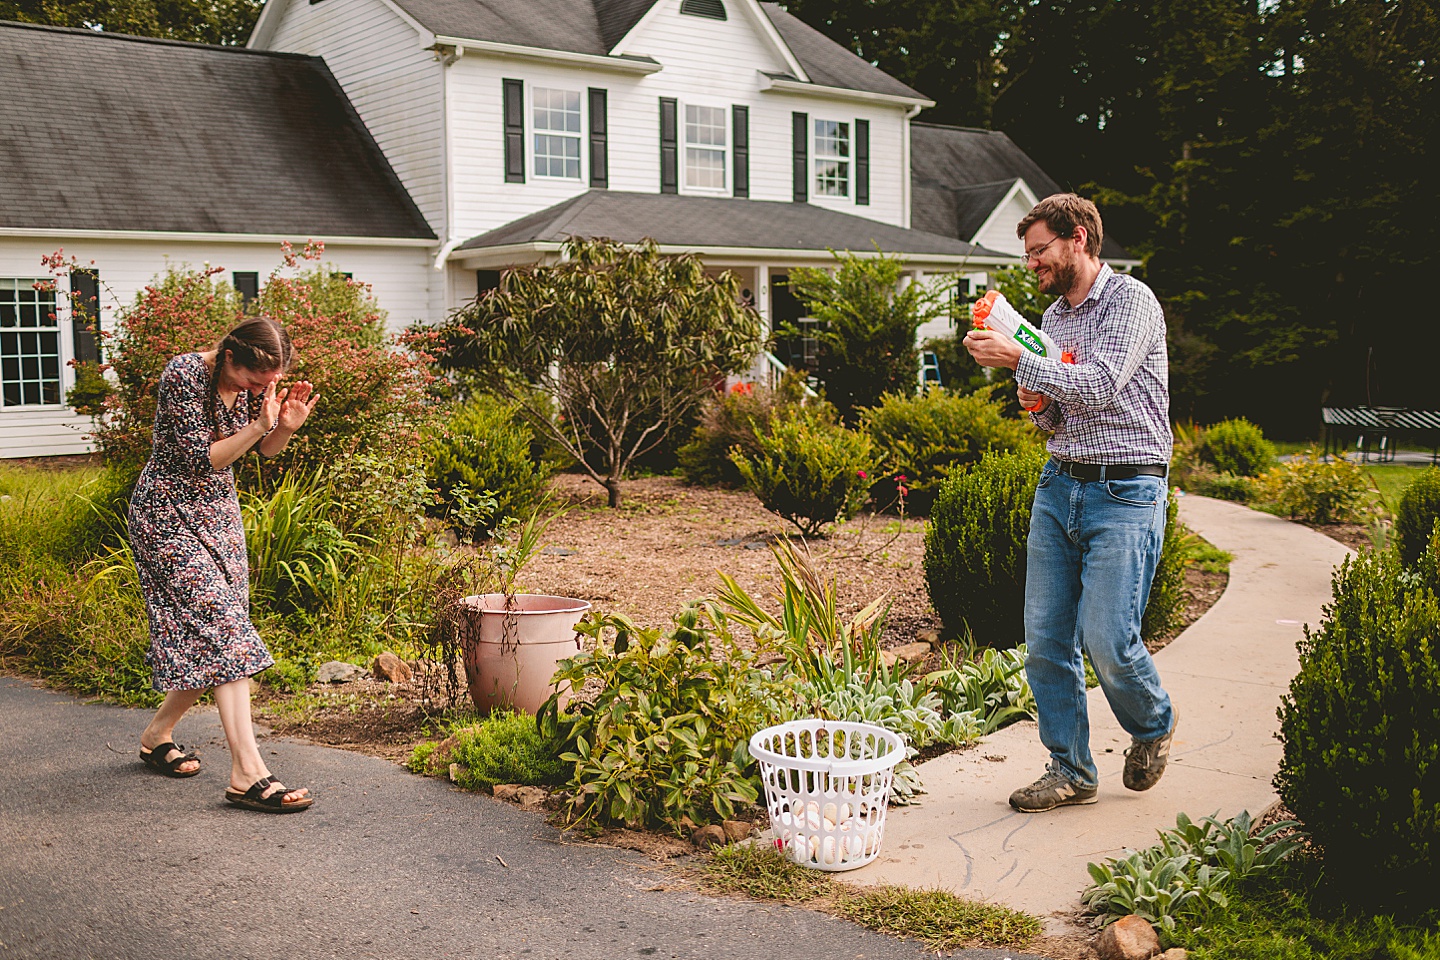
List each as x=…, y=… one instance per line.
x=975, y=553
x=1361, y=729
x=1238, y=447
x=1415, y=515
x=924, y=437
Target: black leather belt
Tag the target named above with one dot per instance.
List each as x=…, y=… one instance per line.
x=1090, y=472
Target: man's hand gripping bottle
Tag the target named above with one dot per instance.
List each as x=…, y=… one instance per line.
x=993, y=312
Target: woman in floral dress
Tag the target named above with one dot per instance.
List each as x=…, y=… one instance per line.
x=188, y=538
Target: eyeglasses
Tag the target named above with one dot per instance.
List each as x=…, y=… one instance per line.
x=1029, y=255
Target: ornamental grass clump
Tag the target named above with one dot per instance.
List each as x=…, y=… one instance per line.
x=808, y=468
x=1361, y=729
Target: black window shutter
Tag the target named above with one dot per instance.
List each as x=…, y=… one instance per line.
x=669, y=146
x=740, y=136
x=514, y=131
x=85, y=314
x=862, y=162
x=247, y=284
x=800, y=148
x=599, y=148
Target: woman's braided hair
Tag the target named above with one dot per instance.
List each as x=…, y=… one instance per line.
x=258, y=344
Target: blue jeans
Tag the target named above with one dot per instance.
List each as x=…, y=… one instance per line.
x=1093, y=548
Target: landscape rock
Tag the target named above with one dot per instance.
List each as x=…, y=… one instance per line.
x=445, y=750
x=507, y=791
x=708, y=837
x=1129, y=938
x=531, y=796
x=338, y=671
x=1174, y=953
x=735, y=830
x=390, y=668
x=906, y=651
x=456, y=771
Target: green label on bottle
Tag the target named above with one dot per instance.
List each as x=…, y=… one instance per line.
x=1029, y=339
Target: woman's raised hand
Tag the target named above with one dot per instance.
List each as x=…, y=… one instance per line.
x=295, y=404
x=270, y=407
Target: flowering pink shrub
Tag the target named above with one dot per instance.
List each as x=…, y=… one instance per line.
x=372, y=394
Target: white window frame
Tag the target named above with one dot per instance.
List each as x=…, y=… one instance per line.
x=684, y=146
x=534, y=132
x=845, y=161
x=56, y=327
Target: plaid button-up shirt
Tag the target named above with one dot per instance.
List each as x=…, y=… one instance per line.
x=1112, y=405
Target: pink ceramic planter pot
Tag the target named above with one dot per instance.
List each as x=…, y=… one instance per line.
x=511, y=652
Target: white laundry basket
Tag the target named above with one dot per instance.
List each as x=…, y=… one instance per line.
x=827, y=784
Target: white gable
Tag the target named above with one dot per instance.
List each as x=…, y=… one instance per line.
x=998, y=230
x=744, y=41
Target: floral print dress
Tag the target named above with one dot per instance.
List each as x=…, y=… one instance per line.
x=188, y=537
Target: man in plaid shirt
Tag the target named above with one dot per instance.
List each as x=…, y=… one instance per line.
x=1098, y=521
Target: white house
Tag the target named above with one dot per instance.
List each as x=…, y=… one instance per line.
x=431, y=143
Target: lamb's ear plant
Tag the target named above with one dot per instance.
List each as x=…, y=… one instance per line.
x=1182, y=879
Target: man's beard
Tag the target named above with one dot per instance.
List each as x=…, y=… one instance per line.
x=1061, y=279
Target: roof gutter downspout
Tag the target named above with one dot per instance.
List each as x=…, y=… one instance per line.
x=910, y=113
x=446, y=58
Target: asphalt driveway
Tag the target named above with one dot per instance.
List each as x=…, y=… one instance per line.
x=102, y=858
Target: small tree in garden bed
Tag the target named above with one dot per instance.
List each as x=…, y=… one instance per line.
x=867, y=327
x=607, y=351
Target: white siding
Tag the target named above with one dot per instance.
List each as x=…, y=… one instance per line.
x=709, y=62
x=393, y=82
x=401, y=277
x=999, y=233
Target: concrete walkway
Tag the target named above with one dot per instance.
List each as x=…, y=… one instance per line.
x=1226, y=673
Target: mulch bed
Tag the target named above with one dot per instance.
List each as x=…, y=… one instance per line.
x=660, y=549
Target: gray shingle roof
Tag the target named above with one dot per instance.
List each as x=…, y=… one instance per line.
x=106, y=132
x=571, y=25
x=959, y=174
x=595, y=26
x=828, y=63
x=685, y=221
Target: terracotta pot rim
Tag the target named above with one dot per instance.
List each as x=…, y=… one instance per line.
x=478, y=602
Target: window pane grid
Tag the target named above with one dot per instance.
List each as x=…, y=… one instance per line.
x=832, y=158
x=29, y=345
x=555, y=119
x=705, y=143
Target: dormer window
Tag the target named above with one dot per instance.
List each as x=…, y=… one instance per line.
x=556, y=126
x=711, y=9
x=832, y=158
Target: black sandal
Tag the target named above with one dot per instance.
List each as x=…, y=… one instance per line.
x=255, y=799
x=155, y=760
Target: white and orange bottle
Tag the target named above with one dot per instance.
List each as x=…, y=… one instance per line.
x=993, y=312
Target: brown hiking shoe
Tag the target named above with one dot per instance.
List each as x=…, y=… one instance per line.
x=1145, y=760
x=1052, y=790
